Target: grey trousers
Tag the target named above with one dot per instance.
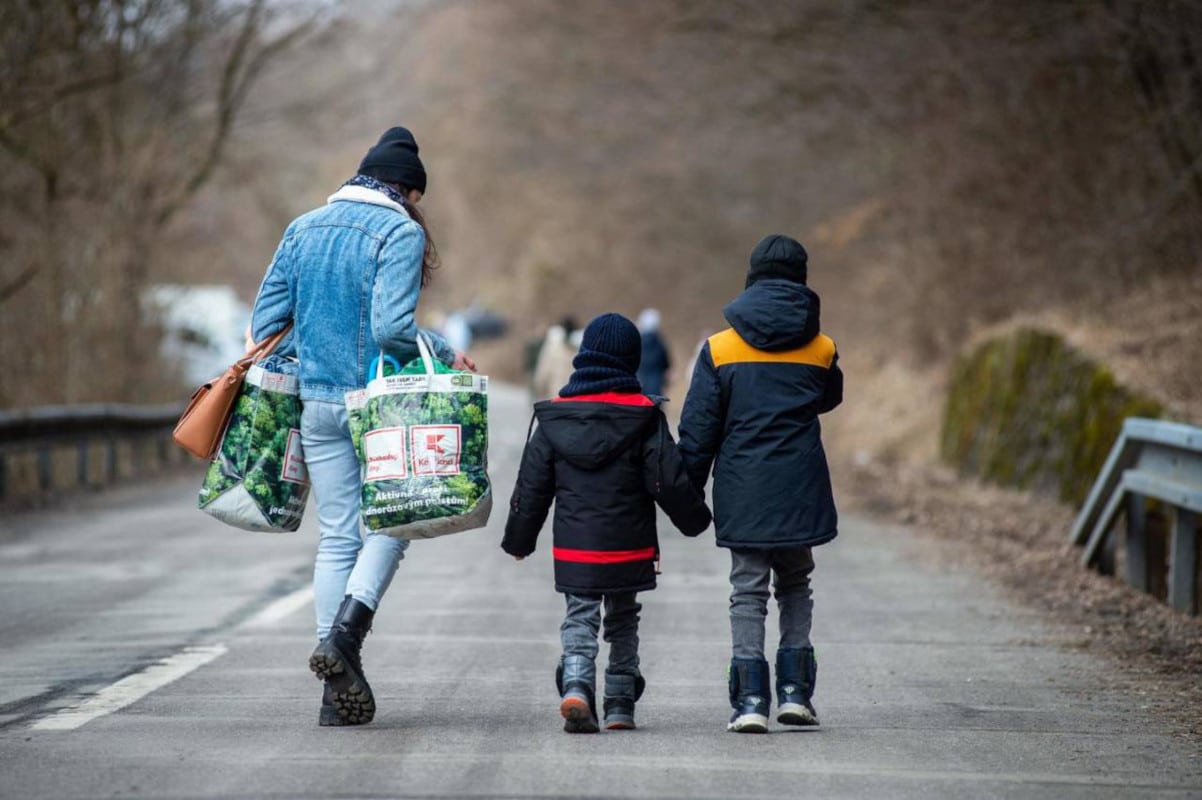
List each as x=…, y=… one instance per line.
x=582, y=622
x=789, y=570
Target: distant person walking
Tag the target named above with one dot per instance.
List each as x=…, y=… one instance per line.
x=751, y=416
x=554, y=364
x=653, y=372
x=349, y=275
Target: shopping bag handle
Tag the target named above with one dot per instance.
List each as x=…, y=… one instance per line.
x=378, y=363
x=424, y=350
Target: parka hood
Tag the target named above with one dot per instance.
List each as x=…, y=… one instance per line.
x=775, y=314
x=591, y=434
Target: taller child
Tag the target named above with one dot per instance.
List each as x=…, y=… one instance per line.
x=752, y=415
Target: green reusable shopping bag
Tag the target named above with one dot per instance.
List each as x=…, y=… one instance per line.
x=258, y=481
x=422, y=441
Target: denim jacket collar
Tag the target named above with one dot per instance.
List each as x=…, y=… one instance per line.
x=361, y=194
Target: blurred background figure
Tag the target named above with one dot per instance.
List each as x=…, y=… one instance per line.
x=457, y=330
x=654, y=369
x=554, y=364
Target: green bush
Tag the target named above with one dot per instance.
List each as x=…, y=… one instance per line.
x=1028, y=410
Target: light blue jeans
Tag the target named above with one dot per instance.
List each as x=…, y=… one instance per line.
x=346, y=562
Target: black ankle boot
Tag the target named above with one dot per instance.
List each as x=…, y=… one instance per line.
x=337, y=662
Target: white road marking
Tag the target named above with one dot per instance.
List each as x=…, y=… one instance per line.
x=131, y=689
x=280, y=609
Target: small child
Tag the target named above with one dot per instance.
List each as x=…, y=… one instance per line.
x=603, y=452
x=752, y=414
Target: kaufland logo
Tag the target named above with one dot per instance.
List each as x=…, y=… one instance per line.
x=435, y=449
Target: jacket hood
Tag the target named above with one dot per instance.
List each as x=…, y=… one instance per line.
x=775, y=314
x=591, y=434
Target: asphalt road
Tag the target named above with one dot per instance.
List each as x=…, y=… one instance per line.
x=930, y=685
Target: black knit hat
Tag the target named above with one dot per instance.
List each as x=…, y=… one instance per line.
x=609, y=357
x=778, y=256
x=394, y=159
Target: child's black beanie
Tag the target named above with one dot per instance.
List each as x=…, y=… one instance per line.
x=778, y=256
x=609, y=357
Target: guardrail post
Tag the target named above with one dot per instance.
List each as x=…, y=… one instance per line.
x=110, y=461
x=45, y=471
x=81, y=463
x=1137, y=543
x=1183, y=562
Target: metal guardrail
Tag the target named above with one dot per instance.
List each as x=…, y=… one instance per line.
x=49, y=430
x=1159, y=462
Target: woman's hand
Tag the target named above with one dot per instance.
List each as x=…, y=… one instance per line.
x=463, y=362
x=250, y=343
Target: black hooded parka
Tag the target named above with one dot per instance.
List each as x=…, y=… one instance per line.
x=752, y=414
x=605, y=460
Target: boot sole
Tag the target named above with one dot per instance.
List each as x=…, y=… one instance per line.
x=619, y=725
x=749, y=723
x=349, y=692
x=796, y=714
x=577, y=716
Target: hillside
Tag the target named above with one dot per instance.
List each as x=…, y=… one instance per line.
x=946, y=169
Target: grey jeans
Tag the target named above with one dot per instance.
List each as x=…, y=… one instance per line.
x=750, y=571
x=582, y=622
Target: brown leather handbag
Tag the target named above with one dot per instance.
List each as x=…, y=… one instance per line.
x=203, y=422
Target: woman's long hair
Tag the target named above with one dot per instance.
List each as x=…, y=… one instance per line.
x=430, y=252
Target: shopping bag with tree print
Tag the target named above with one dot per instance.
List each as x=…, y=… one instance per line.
x=258, y=481
x=422, y=440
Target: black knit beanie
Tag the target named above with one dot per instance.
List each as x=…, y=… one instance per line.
x=394, y=159
x=609, y=357
x=778, y=256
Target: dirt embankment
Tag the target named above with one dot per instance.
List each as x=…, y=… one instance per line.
x=884, y=444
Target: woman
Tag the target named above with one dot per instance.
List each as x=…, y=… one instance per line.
x=348, y=275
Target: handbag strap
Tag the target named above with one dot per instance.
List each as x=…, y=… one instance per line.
x=268, y=345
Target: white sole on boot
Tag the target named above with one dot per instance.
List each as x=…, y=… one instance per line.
x=749, y=723
x=795, y=714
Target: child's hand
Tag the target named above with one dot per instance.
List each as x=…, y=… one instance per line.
x=519, y=558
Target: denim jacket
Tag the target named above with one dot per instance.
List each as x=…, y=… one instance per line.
x=349, y=273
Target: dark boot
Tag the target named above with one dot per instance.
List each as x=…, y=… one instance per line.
x=328, y=717
x=796, y=674
x=337, y=662
x=622, y=691
x=749, y=695
x=576, y=679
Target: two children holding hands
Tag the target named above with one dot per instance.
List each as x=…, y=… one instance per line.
x=604, y=453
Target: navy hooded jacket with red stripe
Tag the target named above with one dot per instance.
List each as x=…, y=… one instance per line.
x=605, y=460
x=752, y=415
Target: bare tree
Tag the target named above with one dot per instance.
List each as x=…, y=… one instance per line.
x=113, y=115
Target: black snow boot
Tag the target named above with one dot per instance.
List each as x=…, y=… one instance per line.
x=749, y=695
x=622, y=691
x=337, y=662
x=796, y=674
x=576, y=679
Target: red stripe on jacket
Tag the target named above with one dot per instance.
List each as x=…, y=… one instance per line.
x=602, y=556
x=614, y=398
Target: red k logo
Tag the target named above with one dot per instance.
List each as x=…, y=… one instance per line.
x=435, y=449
